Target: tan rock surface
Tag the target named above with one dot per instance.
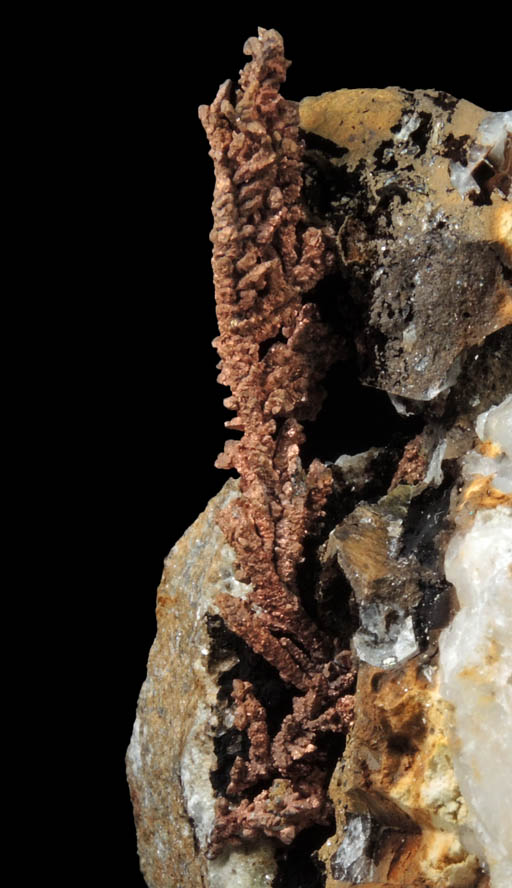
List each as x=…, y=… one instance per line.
x=357, y=119
x=171, y=751
x=360, y=120
x=423, y=243
x=397, y=768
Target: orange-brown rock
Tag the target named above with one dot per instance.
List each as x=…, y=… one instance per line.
x=397, y=768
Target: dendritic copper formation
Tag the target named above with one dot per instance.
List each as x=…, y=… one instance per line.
x=330, y=688
x=274, y=353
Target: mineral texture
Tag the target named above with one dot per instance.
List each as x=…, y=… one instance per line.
x=329, y=699
x=476, y=649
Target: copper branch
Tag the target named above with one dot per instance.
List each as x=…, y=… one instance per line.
x=274, y=352
x=274, y=349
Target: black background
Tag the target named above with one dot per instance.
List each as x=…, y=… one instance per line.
x=146, y=415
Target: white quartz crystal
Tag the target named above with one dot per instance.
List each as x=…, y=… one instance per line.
x=476, y=660
x=386, y=635
x=490, y=142
x=434, y=474
x=492, y=133
x=494, y=426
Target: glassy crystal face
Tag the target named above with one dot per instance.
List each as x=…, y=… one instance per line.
x=386, y=637
x=352, y=861
x=476, y=656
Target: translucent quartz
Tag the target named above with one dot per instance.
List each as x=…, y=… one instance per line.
x=386, y=636
x=490, y=142
x=476, y=660
x=495, y=425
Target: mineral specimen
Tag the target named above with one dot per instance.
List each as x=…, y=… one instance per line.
x=476, y=649
x=295, y=727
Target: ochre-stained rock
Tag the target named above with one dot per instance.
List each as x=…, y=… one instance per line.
x=397, y=782
x=367, y=123
x=397, y=768
x=423, y=237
